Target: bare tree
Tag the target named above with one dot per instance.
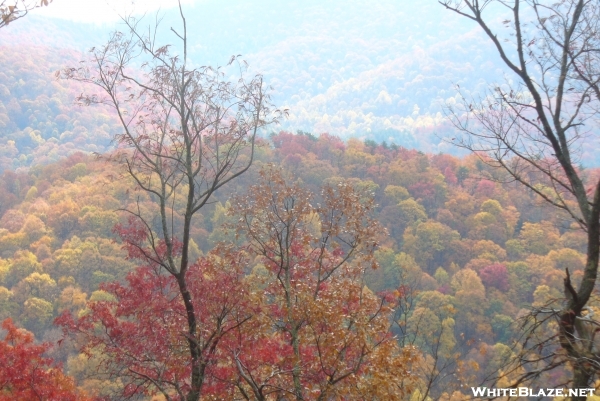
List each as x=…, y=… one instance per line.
x=534, y=129
x=11, y=10
x=186, y=133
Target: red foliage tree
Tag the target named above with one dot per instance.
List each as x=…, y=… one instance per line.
x=450, y=176
x=186, y=133
x=485, y=188
x=495, y=275
x=143, y=340
x=25, y=374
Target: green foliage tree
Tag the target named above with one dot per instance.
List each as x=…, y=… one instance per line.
x=430, y=243
x=23, y=264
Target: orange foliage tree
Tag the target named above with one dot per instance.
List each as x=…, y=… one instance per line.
x=11, y=10
x=325, y=335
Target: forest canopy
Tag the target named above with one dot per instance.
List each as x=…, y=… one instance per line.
x=290, y=224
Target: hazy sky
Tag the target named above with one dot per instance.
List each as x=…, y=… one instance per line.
x=103, y=11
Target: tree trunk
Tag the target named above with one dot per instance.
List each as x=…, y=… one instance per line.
x=581, y=380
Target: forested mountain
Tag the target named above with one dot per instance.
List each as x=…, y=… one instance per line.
x=374, y=71
x=297, y=222
x=39, y=122
x=464, y=257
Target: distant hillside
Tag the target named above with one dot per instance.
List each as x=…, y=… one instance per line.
x=374, y=70
x=39, y=122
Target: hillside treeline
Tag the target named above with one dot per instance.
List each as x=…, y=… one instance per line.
x=462, y=256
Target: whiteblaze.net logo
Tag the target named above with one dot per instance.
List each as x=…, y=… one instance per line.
x=528, y=392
